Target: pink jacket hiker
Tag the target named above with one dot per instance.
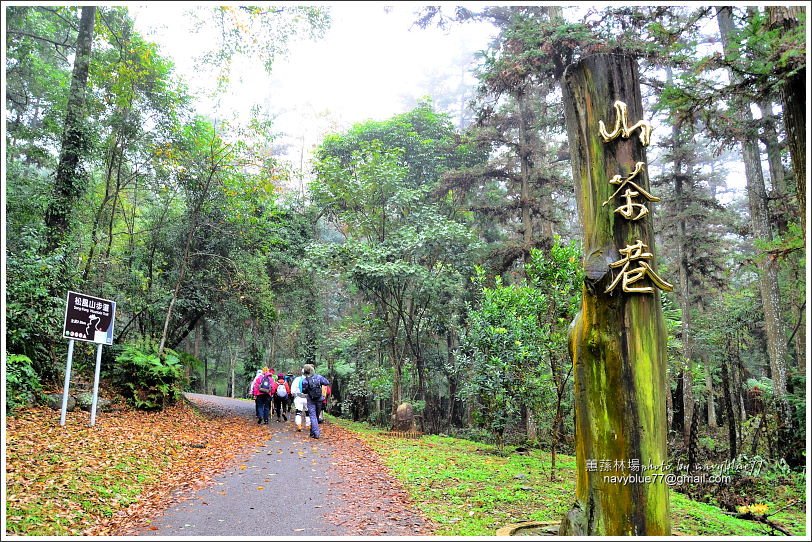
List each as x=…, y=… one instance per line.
x=257, y=380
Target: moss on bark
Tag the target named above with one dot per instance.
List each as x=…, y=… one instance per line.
x=618, y=340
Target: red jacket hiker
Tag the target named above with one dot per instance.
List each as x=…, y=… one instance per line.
x=280, y=400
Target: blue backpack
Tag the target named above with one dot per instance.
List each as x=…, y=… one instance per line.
x=312, y=389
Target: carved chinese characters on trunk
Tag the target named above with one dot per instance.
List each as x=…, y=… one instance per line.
x=635, y=254
x=634, y=266
x=629, y=208
x=622, y=126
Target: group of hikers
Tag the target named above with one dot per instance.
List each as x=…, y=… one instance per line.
x=274, y=393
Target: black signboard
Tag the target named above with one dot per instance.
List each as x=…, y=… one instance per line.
x=89, y=318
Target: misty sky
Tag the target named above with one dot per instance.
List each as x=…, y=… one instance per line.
x=371, y=64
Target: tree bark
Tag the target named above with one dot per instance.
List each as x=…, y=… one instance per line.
x=684, y=294
x=69, y=183
x=728, y=399
x=204, y=330
x=617, y=341
x=232, y=372
x=709, y=390
x=524, y=164
x=793, y=97
x=772, y=145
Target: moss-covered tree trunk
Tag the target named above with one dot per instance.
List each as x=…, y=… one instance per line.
x=69, y=184
x=617, y=341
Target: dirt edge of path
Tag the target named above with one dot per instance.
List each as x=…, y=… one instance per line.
x=380, y=506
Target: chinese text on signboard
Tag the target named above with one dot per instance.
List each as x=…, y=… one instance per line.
x=89, y=318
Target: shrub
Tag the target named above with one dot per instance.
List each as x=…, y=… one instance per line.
x=22, y=383
x=32, y=313
x=147, y=381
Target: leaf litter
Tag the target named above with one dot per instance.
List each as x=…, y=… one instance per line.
x=112, y=479
x=105, y=480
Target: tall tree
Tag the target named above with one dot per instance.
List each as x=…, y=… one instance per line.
x=519, y=122
x=789, y=21
x=405, y=250
x=69, y=183
x=762, y=231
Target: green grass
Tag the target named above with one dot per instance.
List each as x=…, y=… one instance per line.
x=468, y=489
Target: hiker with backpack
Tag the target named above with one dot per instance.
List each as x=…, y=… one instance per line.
x=311, y=387
x=299, y=402
x=264, y=388
x=280, y=397
x=254, y=391
x=289, y=380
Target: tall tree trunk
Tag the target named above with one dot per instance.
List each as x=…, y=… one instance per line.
x=195, y=348
x=728, y=400
x=176, y=290
x=739, y=379
x=684, y=294
x=617, y=341
x=452, y=381
x=800, y=338
x=411, y=326
x=397, y=368
x=69, y=183
x=782, y=214
x=768, y=268
x=205, y=362
x=194, y=217
x=769, y=137
x=709, y=390
x=232, y=372
x=525, y=151
x=793, y=97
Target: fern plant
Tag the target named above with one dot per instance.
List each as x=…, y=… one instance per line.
x=149, y=381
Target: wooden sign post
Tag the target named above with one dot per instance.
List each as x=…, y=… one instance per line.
x=618, y=340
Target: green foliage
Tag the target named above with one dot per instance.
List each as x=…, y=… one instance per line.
x=406, y=252
x=33, y=315
x=22, y=383
x=560, y=276
x=503, y=346
x=149, y=382
x=535, y=47
x=38, y=76
x=423, y=139
x=513, y=352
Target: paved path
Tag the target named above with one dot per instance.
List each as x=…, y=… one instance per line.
x=235, y=506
